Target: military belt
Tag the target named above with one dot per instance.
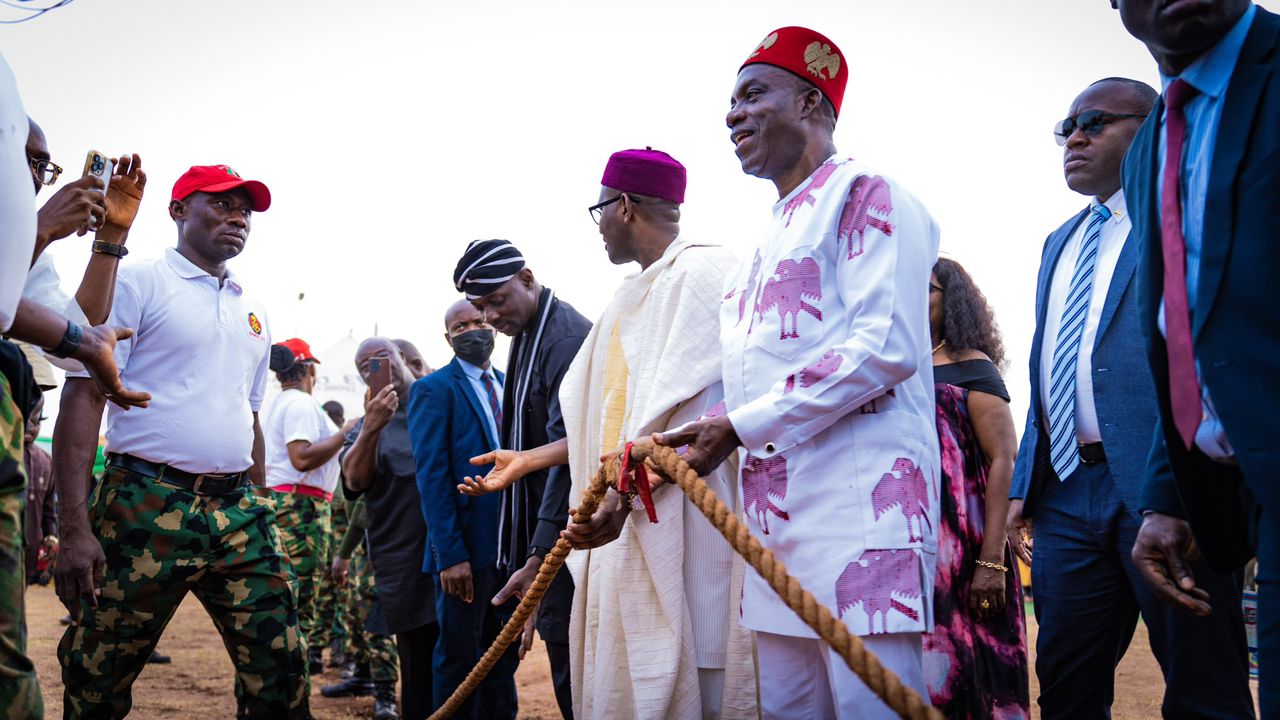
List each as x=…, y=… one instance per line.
x=200, y=484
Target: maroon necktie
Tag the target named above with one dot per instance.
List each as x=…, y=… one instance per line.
x=494, y=406
x=1184, y=386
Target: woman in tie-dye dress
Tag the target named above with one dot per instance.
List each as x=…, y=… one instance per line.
x=975, y=660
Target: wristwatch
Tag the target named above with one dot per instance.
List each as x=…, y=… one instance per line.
x=105, y=248
x=70, y=341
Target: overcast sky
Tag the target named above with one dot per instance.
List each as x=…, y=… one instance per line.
x=391, y=133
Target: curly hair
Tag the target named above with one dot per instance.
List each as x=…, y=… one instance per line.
x=967, y=320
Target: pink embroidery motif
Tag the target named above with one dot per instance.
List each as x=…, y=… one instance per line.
x=907, y=491
x=791, y=283
x=805, y=196
x=867, y=194
x=815, y=373
x=762, y=480
x=874, y=579
x=750, y=292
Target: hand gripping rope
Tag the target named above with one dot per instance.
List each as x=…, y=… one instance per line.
x=884, y=682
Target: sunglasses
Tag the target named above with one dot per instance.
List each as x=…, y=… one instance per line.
x=1090, y=122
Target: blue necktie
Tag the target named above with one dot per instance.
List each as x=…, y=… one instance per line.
x=1063, y=453
x=494, y=405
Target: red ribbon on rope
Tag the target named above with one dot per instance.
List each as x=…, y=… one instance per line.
x=641, y=480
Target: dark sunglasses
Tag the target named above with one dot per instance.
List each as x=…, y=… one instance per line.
x=1090, y=122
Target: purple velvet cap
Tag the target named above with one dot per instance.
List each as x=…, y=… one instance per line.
x=645, y=172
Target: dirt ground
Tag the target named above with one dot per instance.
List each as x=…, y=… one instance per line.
x=198, y=683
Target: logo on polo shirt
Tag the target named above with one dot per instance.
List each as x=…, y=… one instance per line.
x=255, y=324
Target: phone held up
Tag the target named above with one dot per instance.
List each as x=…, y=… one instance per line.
x=99, y=166
x=379, y=375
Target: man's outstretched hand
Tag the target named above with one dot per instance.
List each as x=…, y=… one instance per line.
x=97, y=354
x=710, y=442
x=508, y=467
x=1163, y=553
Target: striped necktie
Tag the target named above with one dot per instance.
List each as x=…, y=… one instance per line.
x=494, y=406
x=1063, y=453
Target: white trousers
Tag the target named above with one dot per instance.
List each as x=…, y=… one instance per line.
x=805, y=678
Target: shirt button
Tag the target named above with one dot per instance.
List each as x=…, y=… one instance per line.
x=769, y=447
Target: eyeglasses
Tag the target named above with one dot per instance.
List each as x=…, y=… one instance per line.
x=1090, y=122
x=597, y=210
x=47, y=171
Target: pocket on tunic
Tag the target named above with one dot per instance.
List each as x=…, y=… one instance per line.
x=895, y=480
x=789, y=307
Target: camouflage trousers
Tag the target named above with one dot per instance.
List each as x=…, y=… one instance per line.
x=379, y=651
x=19, y=692
x=162, y=542
x=331, y=599
x=305, y=531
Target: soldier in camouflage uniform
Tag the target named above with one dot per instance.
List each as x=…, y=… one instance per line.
x=331, y=599
x=175, y=511
x=302, y=473
x=19, y=692
x=374, y=654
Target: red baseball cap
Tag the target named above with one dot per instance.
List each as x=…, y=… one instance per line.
x=300, y=349
x=808, y=54
x=220, y=178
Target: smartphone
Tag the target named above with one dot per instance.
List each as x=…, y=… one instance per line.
x=99, y=166
x=379, y=374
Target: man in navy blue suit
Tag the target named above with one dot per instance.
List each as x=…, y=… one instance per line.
x=1085, y=448
x=1204, y=179
x=456, y=414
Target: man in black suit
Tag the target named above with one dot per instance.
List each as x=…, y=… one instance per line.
x=547, y=333
x=1203, y=182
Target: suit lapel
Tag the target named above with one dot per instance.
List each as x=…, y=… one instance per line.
x=464, y=386
x=1125, y=265
x=1144, y=212
x=1052, y=253
x=1238, y=118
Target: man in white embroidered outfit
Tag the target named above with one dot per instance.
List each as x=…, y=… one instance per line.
x=828, y=384
x=654, y=602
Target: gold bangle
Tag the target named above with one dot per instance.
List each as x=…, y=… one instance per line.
x=993, y=566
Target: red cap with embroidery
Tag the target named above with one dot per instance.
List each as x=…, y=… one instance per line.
x=806, y=53
x=220, y=178
x=300, y=349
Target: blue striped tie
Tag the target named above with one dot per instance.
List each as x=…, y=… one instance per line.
x=1063, y=454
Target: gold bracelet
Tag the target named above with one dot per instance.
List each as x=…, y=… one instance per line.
x=993, y=566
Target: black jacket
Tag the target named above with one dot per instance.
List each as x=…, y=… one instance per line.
x=536, y=509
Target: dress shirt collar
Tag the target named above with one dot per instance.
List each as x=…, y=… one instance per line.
x=188, y=270
x=475, y=372
x=1115, y=204
x=1212, y=72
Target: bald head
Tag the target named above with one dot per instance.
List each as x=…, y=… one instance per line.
x=413, y=358
x=385, y=350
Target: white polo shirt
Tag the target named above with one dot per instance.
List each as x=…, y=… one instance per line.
x=17, y=207
x=296, y=415
x=202, y=351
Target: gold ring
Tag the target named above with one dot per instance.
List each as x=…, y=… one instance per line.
x=986, y=604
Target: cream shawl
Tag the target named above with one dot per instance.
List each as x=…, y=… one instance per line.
x=637, y=636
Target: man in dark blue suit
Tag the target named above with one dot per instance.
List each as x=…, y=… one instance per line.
x=455, y=414
x=1085, y=448
x=1204, y=178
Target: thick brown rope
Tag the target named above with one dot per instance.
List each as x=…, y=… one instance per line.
x=903, y=700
